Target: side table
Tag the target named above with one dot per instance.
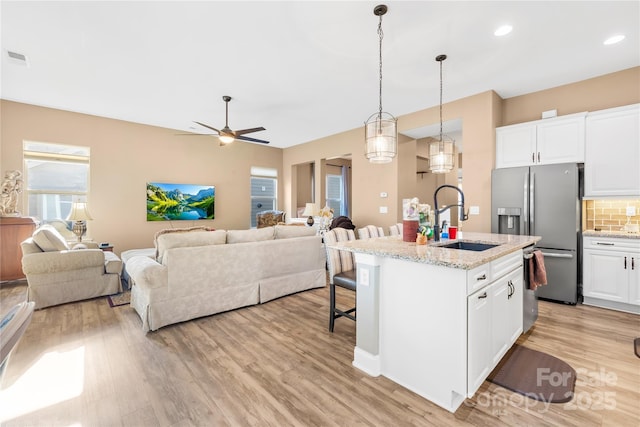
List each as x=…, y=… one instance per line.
x=13, y=230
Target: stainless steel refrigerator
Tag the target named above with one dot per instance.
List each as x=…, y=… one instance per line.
x=544, y=201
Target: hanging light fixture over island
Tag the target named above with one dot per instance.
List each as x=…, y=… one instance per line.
x=381, y=130
x=441, y=151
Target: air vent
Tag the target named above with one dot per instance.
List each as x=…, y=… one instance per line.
x=17, y=58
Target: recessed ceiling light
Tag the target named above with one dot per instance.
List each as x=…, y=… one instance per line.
x=503, y=30
x=614, y=39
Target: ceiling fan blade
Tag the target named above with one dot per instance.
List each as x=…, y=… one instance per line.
x=246, y=138
x=195, y=134
x=207, y=126
x=243, y=131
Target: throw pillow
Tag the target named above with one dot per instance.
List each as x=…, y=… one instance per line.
x=49, y=239
x=188, y=239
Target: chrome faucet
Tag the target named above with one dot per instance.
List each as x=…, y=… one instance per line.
x=463, y=215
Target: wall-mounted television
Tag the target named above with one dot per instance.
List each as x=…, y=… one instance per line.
x=176, y=202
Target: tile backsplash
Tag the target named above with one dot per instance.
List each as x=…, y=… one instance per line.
x=608, y=215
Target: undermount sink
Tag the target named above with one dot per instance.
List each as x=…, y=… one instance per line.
x=468, y=246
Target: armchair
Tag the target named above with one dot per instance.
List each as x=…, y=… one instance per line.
x=57, y=274
x=269, y=218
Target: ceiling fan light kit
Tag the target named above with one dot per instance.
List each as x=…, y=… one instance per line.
x=381, y=129
x=226, y=135
x=441, y=150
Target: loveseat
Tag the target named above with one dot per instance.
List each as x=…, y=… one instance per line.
x=57, y=273
x=198, y=273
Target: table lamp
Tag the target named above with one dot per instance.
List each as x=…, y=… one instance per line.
x=309, y=211
x=79, y=214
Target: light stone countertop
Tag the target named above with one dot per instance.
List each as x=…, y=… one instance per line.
x=395, y=247
x=616, y=234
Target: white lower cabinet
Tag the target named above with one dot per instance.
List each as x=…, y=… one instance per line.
x=479, y=339
x=611, y=273
x=494, y=316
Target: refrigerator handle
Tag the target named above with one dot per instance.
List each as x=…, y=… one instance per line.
x=525, y=205
x=532, y=200
x=554, y=255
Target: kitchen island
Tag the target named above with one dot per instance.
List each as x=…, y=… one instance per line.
x=437, y=320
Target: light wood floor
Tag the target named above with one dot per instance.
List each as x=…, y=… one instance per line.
x=86, y=364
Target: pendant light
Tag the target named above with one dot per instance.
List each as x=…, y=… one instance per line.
x=380, y=130
x=441, y=151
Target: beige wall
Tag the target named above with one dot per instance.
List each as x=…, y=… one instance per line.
x=610, y=90
x=125, y=156
x=480, y=115
x=398, y=179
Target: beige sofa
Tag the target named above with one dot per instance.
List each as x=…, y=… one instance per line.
x=200, y=273
x=57, y=273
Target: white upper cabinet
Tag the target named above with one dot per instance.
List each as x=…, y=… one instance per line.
x=612, y=157
x=541, y=142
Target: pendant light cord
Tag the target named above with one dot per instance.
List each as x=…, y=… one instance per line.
x=440, y=59
x=441, y=139
x=381, y=36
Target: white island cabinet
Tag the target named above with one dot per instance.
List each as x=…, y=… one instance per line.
x=423, y=318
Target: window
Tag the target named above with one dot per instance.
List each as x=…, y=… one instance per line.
x=335, y=194
x=56, y=175
x=264, y=191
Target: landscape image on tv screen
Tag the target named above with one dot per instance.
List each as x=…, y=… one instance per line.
x=174, y=202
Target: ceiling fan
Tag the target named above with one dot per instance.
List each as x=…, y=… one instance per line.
x=226, y=135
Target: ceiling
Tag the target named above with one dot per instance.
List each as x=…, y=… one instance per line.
x=303, y=70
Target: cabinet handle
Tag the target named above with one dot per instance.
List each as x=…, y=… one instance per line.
x=605, y=244
x=625, y=263
x=533, y=157
x=484, y=295
x=483, y=277
x=538, y=157
x=633, y=263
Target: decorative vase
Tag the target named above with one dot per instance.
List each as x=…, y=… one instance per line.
x=409, y=230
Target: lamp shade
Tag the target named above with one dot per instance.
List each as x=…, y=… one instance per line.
x=79, y=212
x=309, y=209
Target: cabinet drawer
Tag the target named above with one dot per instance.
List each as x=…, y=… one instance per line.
x=506, y=264
x=478, y=277
x=611, y=243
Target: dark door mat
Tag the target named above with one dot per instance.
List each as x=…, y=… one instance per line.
x=535, y=374
x=636, y=346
